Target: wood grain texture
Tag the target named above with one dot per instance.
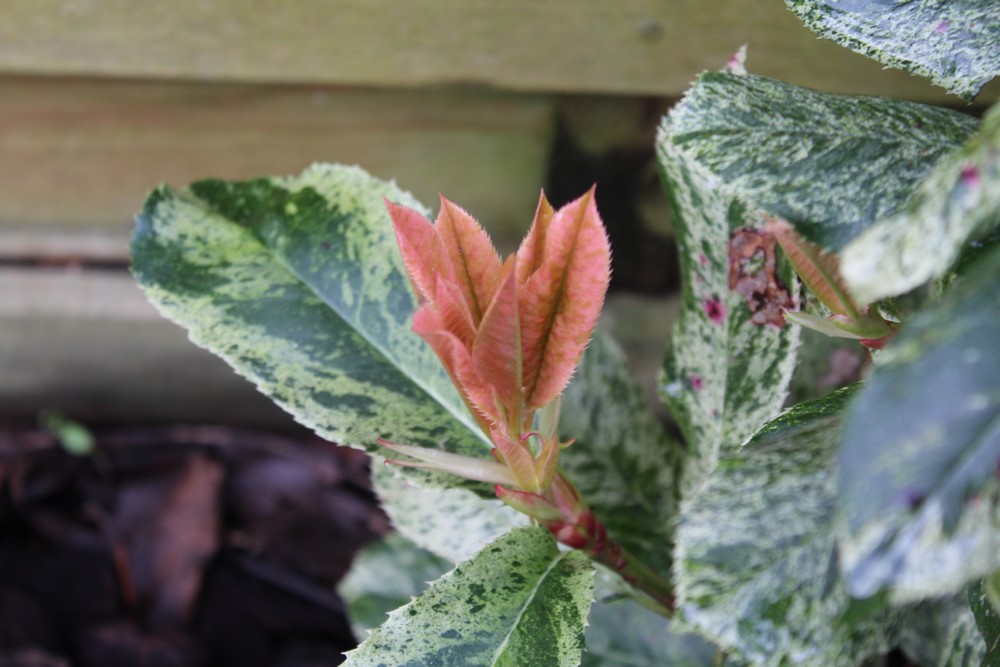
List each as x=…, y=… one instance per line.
x=621, y=46
x=85, y=152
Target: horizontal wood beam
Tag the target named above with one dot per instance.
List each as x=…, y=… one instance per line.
x=635, y=47
x=78, y=153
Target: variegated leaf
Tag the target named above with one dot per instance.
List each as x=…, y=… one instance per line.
x=959, y=202
x=953, y=43
x=622, y=633
x=943, y=633
x=387, y=575
x=720, y=355
x=451, y=523
x=519, y=601
x=829, y=164
x=297, y=283
x=757, y=557
x=987, y=619
x=919, y=493
x=623, y=463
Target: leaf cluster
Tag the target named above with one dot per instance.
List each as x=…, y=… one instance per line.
x=825, y=533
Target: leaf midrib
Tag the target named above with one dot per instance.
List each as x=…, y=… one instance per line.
x=461, y=416
x=524, y=607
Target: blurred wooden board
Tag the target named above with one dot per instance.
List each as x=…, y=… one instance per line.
x=88, y=343
x=652, y=47
x=85, y=152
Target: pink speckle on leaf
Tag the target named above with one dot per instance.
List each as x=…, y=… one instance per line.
x=714, y=310
x=970, y=175
x=702, y=259
x=942, y=26
x=696, y=382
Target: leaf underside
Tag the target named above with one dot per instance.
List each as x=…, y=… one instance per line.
x=919, y=490
x=954, y=44
x=519, y=601
x=757, y=558
x=830, y=165
x=296, y=282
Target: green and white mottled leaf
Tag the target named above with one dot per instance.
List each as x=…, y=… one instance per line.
x=453, y=524
x=622, y=633
x=987, y=620
x=943, y=633
x=519, y=601
x=953, y=43
x=387, y=575
x=297, y=283
x=959, y=202
x=757, y=557
x=623, y=463
x=829, y=164
x=919, y=491
x=716, y=366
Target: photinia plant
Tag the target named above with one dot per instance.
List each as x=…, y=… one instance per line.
x=528, y=477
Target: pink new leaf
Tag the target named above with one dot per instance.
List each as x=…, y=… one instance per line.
x=475, y=263
x=562, y=297
x=496, y=352
x=423, y=254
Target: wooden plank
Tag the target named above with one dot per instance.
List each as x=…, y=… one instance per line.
x=89, y=344
x=608, y=46
x=84, y=152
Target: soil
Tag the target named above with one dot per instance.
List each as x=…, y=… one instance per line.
x=178, y=546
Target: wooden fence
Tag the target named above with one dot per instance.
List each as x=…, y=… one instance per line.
x=484, y=100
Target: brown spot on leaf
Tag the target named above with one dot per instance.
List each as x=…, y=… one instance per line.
x=752, y=262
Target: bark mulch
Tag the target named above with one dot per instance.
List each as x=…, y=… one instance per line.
x=178, y=546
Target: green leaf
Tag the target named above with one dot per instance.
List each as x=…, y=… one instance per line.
x=959, y=202
x=387, y=575
x=622, y=462
x=829, y=164
x=987, y=620
x=297, y=283
x=954, y=43
x=919, y=490
x=621, y=633
x=451, y=523
x=519, y=601
x=719, y=357
x=757, y=558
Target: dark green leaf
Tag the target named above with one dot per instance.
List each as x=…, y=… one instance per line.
x=720, y=356
x=622, y=462
x=920, y=452
x=829, y=164
x=519, y=601
x=958, y=203
x=987, y=619
x=953, y=43
x=757, y=564
x=297, y=283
